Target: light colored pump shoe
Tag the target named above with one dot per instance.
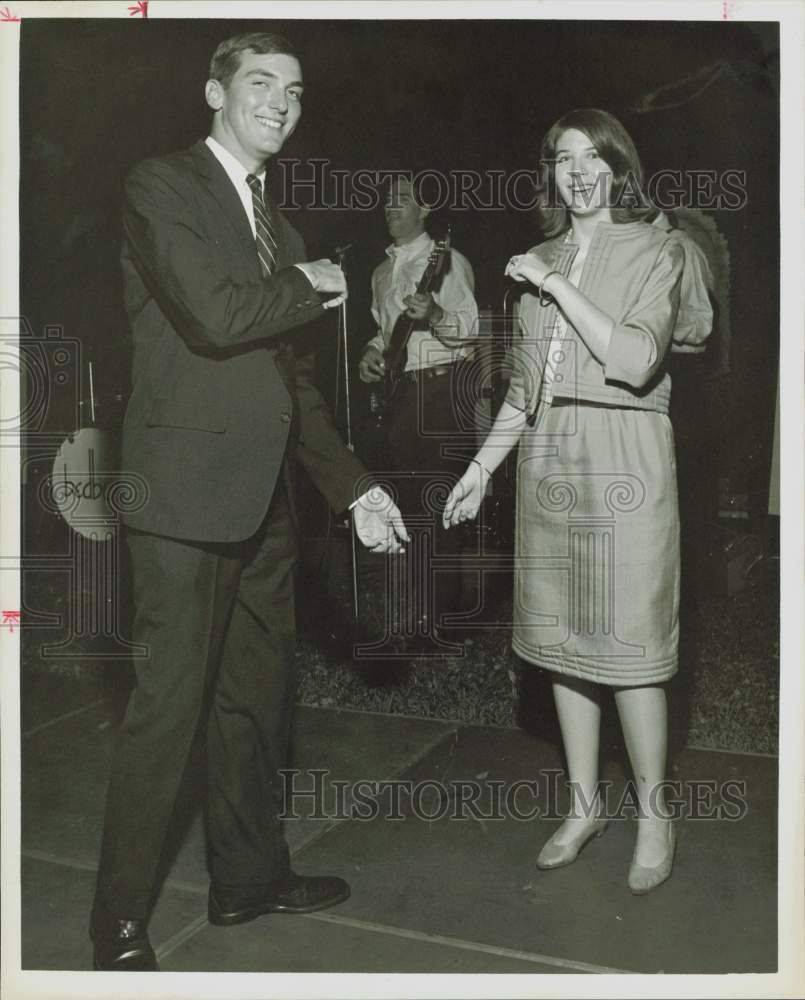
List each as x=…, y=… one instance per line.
x=555, y=855
x=643, y=880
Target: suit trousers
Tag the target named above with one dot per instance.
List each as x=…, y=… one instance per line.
x=219, y=621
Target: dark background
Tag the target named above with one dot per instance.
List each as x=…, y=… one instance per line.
x=97, y=96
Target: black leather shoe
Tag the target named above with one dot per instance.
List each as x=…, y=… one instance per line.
x=293, y=894
x=122, y=946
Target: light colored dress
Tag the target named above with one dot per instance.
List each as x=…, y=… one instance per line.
x=596, y=592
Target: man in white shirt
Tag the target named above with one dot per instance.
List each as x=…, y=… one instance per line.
x=429, y=412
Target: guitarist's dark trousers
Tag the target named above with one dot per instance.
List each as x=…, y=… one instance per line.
x=424, y=416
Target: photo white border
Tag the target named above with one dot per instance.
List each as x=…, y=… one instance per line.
x=790, y=980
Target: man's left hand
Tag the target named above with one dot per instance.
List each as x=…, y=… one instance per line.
x=423, y=307
x=379, y=523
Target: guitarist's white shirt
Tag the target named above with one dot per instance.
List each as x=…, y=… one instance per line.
x=398, y=276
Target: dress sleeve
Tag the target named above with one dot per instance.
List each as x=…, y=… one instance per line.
x=694, y=322
x=642, y=337
x=525, y=359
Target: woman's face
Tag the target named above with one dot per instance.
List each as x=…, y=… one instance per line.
x=583, y=179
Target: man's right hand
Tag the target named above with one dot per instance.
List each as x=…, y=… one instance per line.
x=372, y=367
x=379, y=523
x=326, y=277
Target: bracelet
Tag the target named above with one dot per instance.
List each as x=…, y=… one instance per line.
x=475, y=460
x=542, y=300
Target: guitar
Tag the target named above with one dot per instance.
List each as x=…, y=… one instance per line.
x=396, y=354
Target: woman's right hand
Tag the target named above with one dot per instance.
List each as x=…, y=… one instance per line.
x=466, y=496
x=527, y=267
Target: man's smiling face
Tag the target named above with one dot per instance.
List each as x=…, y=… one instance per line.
x=259, y=108
x=404, y=217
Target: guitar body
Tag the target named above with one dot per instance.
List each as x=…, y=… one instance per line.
x=396, y=355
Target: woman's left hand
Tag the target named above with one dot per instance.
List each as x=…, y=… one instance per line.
x=527, y=267
x=466, y=496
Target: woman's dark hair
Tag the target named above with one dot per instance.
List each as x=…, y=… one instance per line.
x=225, y=60
x=628, y=203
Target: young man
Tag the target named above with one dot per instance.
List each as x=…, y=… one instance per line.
x=425, y=416
x=216, y=288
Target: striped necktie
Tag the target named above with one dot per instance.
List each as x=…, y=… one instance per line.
x=266, y=242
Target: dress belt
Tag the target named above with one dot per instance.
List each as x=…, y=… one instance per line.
x=594, y=403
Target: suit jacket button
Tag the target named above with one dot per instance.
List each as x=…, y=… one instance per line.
x=285, y=417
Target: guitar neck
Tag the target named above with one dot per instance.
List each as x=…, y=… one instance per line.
x=404, y=326
x=427, y=281
x=435, y=266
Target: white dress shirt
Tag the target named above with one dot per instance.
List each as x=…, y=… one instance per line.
x=398, y=277
x=237, y=173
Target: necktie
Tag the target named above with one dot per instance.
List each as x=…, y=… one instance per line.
x=266, y=243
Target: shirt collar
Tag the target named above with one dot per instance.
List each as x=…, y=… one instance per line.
x=235, y=170
x=408, y=249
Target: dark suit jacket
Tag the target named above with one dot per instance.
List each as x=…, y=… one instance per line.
x=217, y=399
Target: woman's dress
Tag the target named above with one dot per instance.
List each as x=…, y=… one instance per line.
x=596, y=592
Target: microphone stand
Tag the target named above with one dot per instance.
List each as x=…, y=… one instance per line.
x=343, y=350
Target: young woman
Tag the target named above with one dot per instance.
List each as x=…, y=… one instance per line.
x=597, y=556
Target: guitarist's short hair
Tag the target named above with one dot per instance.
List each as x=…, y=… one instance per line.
x=413, y=177
x=417, y=178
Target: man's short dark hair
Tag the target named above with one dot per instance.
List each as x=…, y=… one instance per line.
x=225, y=60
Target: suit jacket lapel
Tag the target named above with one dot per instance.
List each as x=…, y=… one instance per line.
x=220, y=188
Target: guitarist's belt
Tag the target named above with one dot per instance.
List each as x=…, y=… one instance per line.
x=419, y=374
